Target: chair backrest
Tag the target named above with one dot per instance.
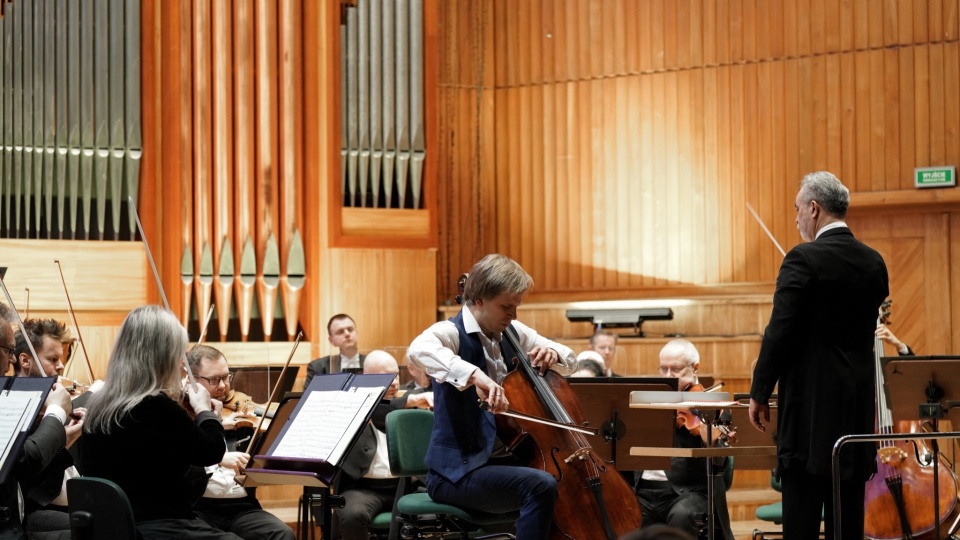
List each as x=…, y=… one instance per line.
x=408, y=437
x=728, y=474
x=99, y=509
x=774, y=480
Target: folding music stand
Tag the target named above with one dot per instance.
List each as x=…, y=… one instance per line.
x=922, y=387
x=605, y=403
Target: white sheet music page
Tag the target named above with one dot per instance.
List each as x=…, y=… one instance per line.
x=318, y=431
x=17, y=407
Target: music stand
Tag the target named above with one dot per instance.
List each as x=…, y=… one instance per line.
x=925, y=388
x=907, y=380
x=605, y=403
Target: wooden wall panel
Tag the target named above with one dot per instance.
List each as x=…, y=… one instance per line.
x=649, y=203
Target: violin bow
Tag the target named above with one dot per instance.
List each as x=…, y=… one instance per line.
x=273, y=394
x=522, y=416
x=156, y=275
x=35, y=370
x=73, y=317
x=206, y=323
x=766, y=230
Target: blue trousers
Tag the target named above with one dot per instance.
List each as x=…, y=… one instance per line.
x=503, y=488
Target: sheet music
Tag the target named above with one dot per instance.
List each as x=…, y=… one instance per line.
x=319, y=428
x=18, y=409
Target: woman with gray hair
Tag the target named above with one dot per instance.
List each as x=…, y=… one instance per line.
x=138, y=435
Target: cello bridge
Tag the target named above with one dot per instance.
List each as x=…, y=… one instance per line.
x=891, y=455
x=579, y=454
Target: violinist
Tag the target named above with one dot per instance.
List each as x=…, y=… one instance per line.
x=225, y=504
x=47, y=337
x=45, y=502
x=466, y=358
x=138, y=435
x=678, y=497
x=42, y=447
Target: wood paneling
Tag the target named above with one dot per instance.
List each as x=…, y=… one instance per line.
x=634, y=132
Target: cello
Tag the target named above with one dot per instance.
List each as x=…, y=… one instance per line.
x=594, y=501
x=898, y=501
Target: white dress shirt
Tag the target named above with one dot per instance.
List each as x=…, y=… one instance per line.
x=436, y=351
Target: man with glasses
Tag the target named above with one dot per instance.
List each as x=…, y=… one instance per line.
x=225, y=504
x=678, y=497
x=44, y=447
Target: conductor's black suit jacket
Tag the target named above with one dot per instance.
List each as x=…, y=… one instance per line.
x=819, y=346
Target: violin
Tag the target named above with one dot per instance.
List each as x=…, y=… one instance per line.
x=243, y=412
x=725, y=431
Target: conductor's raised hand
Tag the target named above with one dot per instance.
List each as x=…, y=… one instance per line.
x=490, y=392
x=543, y=358
x=755, y=412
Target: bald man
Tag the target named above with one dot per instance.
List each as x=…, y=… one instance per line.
x=366, y=483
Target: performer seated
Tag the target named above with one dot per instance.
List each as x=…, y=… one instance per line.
x=36, y=458
x=678, y=497
x=365, y=481
x=45, y=501
x=137, y=434
x=225, y=504
x=465, y=358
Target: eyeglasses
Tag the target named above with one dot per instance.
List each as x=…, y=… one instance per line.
x=216, y=380
x=673, y=370
x=10, y=350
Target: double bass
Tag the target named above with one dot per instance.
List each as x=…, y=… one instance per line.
x=898, y=501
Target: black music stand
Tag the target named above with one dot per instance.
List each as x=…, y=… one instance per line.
x=605, y=403
x=921, y=387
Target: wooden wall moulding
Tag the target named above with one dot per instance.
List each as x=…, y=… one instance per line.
x=101, y=276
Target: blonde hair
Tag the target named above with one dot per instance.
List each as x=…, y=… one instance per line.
x=494, y=275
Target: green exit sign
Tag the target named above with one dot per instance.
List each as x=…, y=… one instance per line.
x=924, y=177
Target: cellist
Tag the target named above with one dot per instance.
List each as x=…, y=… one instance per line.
x=465, y=357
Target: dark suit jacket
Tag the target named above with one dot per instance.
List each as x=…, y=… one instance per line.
x=39, y=451
x=321, y=366
x=819, y=346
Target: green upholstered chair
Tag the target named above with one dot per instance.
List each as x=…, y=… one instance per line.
x=416, y=515
x=99, y=509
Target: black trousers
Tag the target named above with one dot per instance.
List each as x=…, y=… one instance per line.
x=806, y=495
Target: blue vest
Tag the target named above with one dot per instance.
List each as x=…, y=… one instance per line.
x=463, y=434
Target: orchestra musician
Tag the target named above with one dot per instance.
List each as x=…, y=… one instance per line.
x=45, y=503
x=225, y=504
x=36, y=460
x=137, y=434
x=47, y=337
x=465, y=357
x=818, y=350
x=678, y=497
x=342, y=334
